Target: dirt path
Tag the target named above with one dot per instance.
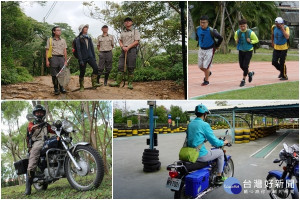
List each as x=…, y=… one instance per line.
x=226, y=77
x=42, y=88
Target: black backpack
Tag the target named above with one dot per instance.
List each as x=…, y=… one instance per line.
x=211, y=30
x=74, y=49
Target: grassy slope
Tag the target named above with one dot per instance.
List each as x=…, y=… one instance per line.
x=288, y=90
x=60, y=189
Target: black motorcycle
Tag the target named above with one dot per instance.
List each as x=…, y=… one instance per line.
x=80, y=163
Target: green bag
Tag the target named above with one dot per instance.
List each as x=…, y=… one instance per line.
x=189, y=154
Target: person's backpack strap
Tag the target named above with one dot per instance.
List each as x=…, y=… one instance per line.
x=199, y=147
x=50, y=48
x=185, y=142
x=197, y=37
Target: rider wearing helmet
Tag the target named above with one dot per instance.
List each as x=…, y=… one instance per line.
x=198, y=132
x=36, y=132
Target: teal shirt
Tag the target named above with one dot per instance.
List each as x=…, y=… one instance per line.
x=198, y=131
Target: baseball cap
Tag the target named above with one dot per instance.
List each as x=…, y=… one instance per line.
x=279, y=20
x=127, y=19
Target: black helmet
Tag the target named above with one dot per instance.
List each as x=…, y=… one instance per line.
x=39, y=108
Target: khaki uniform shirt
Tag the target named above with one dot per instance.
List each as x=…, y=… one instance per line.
x=39, y=134
x=58, y=46
x=129, y=36
x=106, y=43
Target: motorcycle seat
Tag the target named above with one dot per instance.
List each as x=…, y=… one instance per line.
x=194, y=166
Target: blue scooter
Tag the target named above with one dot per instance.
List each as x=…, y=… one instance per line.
x=281, y=183
x=194, y=180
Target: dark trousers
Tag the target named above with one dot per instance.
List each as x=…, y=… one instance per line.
x=130, y=61
x=244, y=60
x=92, y=63
x=278, y=61
x=56, y=63
x=105, y=61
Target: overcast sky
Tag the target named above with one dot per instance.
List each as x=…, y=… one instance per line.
x=70, y=12
x=190, y=105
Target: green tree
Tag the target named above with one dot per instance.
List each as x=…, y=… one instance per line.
x=224, y=16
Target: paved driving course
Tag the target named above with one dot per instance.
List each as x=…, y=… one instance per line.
x=130, y=182
x=226, y=77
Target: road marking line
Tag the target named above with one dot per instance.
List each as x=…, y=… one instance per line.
x=270, y=147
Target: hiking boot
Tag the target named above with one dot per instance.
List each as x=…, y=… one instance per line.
x=81, y=83
x=130, y=79
x=106, y=78
x=55, y=84
x=62, y=89
x=205, y=83
x=242, y=83
x=118, y=80
x=284, y=78
x=94, y=81
x=250, y=75
x=29, y=180
x=220, y=180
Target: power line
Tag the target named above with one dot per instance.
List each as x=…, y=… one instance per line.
x=49, y=11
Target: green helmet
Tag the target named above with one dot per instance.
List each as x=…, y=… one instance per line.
x=39, y=118
x=201, y=109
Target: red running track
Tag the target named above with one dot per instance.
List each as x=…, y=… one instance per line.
x=226, y=77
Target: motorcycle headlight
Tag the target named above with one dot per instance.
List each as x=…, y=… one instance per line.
x=67, y=126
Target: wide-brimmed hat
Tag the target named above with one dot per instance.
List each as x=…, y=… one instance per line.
x=80, y=28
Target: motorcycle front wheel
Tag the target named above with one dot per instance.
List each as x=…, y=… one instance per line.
x=277, y=193
x=92, y=170
x=229, y=169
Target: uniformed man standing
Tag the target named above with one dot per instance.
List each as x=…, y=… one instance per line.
x=129, y=40
x=57, y=57
x=105, y=46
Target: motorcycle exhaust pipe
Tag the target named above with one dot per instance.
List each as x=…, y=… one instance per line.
x=205, y=192
x=272, y=195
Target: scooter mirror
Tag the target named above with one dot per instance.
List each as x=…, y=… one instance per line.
x=226, y=133
x=30, y=117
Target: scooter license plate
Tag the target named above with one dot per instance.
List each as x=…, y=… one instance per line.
x=173, y=183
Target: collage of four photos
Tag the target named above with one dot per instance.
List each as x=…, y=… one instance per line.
x=149, y=99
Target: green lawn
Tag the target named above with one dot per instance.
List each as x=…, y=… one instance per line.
x=60, y=189
x=233, y=58
x=288, y=90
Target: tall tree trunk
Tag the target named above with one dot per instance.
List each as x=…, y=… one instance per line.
x=82, y=122
x=223, y=48
x=42, y=66
x=48, y=111
x=191, y=28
